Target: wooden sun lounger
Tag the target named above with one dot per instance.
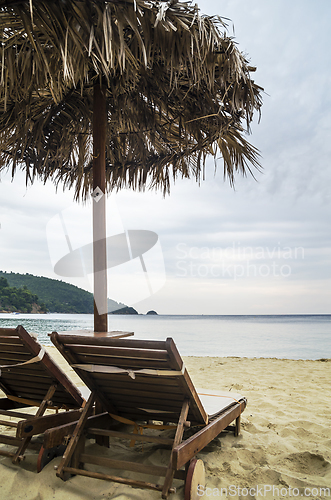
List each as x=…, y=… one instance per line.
x=30, y=378
x=137, y=382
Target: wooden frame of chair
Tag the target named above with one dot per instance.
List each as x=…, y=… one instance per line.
x=135, y=380
x=30, y=378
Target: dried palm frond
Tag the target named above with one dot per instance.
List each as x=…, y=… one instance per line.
x=178, y=90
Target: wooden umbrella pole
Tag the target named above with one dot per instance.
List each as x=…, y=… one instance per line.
x=99, y=208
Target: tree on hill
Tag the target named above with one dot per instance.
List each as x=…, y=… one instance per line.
x=58, y=296
x=18, y=299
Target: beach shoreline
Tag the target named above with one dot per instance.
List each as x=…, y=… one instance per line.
x=284, y=446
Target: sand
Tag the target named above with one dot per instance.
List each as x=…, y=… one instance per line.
x=284, y=449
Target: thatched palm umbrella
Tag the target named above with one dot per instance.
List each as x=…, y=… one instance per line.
x=111, y=94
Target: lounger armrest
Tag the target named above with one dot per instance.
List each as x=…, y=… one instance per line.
x=189, y=448
x=54, y=436
x=38, y=425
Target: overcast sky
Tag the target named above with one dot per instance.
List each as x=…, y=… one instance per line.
x=263, y=248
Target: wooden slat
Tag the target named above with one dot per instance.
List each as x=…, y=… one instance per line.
x=33, y=388
x=149, y=403
x=134, y=363
x=165, y=392
x=8, y=331
x=36, y=391
x=27, y=399
x=7, y=453
x=132, y=343
x=13, y=348
x=115, y=479
x=33, y=394
x=10, y=440
x=14, y=441
x=116, y=392
x=64, y=398
x=8, y=358
x=123, y=380
x=115, y=334
x=42, y=379
x=15, y=414
x=121, y=352
x=19, y=385
x=154, y=470
x=8, y=423
x=16, y=350
x=33, y=370
x=10, y=340
x=38, y=397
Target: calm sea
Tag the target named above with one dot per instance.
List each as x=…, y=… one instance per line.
x=290, y=336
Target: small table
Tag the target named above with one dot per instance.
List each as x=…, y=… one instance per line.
x=90, y=333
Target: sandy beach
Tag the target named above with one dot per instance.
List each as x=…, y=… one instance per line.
x=284, y=449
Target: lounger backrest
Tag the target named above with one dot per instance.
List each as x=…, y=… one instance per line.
x=31, y=381
x=135, y=379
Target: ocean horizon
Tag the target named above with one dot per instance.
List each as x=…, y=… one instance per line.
x=290, y=336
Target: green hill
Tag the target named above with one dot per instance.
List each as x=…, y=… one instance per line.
x=18, y=299
x=57, y=296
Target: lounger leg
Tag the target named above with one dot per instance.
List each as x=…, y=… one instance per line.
x=41, y=410
x=237, y=426
x=178, y=438
x=101, y=440
x=75, y=438
x=46, y=455
x=80, y=447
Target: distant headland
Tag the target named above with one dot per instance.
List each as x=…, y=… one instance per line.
x=26, y=293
